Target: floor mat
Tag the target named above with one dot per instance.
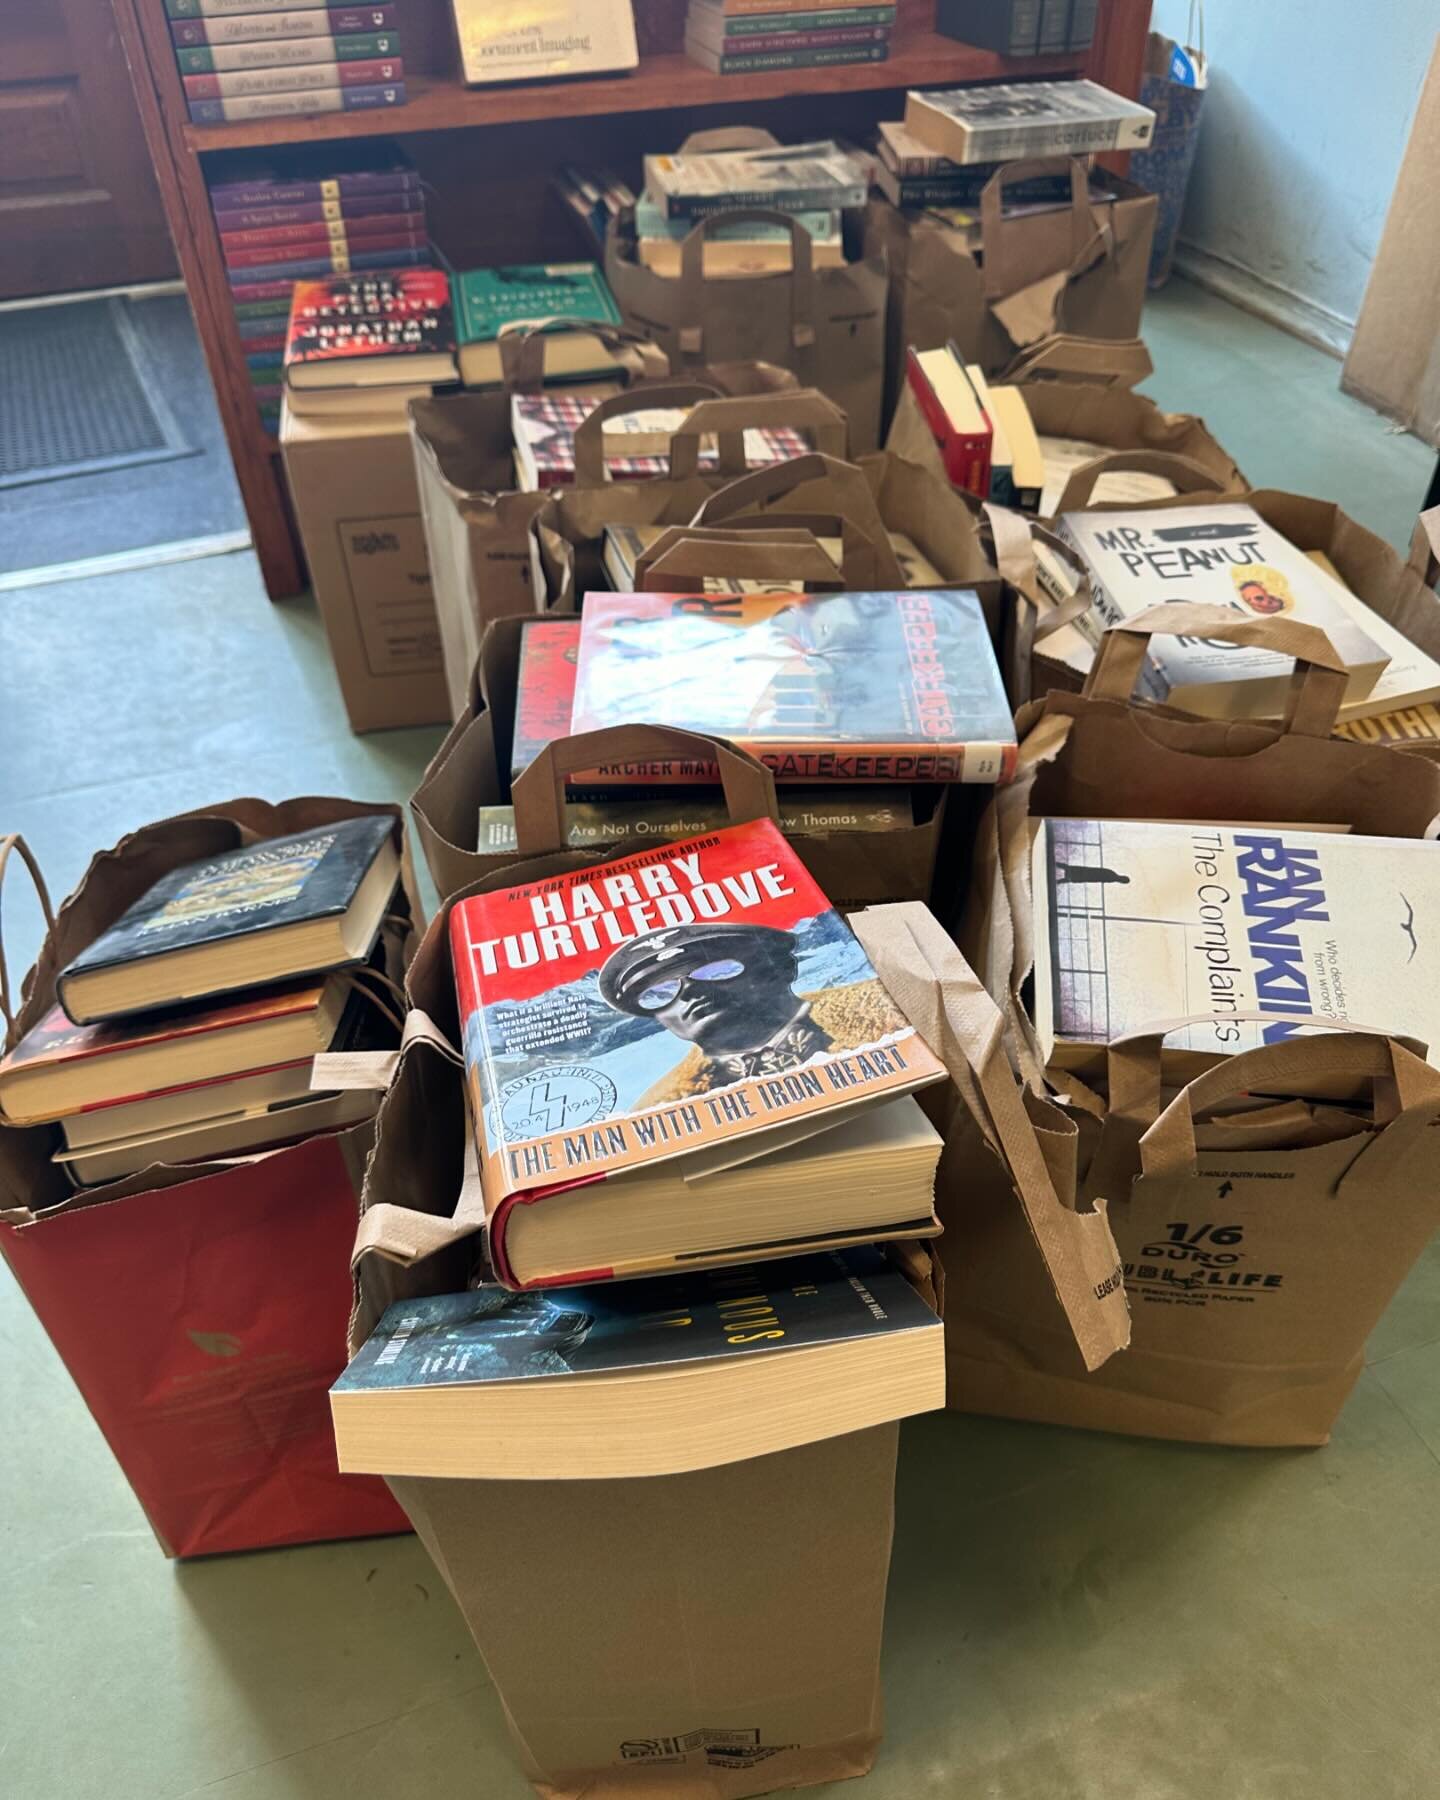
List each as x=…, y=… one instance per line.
x=147, y=466
x=80, y=397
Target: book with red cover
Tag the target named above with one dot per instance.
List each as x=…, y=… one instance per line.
x=894, y=687
x=59, y=1068
x=315, y=239
x=544, y=688
x=379, y=329
x=955, y=416
x=326, y=249
x=703, y=997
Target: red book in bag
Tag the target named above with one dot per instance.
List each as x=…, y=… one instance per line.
x=954, y=414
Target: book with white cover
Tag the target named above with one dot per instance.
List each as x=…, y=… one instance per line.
x=1218, y=555
x=520, y=40
x=1025, y=118
x=1141, y=921
x=798, y=178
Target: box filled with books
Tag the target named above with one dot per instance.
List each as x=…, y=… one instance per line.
x=186, y=1099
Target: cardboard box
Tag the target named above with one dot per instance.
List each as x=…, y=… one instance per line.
x=353, y=486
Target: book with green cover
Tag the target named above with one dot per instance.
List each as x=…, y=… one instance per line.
x=487, y=301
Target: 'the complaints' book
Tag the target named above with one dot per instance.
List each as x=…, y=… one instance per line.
x=1026, y=118
x=1136, y=922
x=638, y=1377
x=701, y=1001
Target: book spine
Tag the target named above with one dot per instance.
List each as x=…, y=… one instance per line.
x=857, y=764
x=838, y=39
x=251, y=27
x=797, y=200
x=786, y=59
x=258, y=312
x=1081, y=33
x=1078, y=137
x=286, y=52
x=1011, y=27
x=966, y=455
x=325, y=232
x=1054, y=26
x=256, y=334
x=740, y=9
x=246, y=291
x=270, y=274
x=267, y=356
x=718, y=24
x=361, y=185
x=362, y=254
x=289, y=106
x=219, y=9
x=406, y=203
x=295, y=79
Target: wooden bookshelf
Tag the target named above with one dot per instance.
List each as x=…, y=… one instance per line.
x=486, y=154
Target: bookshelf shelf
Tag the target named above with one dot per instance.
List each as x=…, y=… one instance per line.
x=661, y=83
x=487, y=176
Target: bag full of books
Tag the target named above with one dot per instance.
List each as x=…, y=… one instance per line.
x=637, y=1464
x=816, y=311
x=1017, y=265
x=1256, y=1219
x=182, y=1143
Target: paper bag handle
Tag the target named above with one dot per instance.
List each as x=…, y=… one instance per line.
x=851, y=497
x=685, y=557
x=590, y=464
x=1425, y=547
x=865, y=566
x=729, y=417
x=729, y=137
x=1013, y=538
x=1168, y=1147
x=1096, y=362
x=14, y=844
x=1317, y=685
x=1003, y=275
x=1188, y=476
x=801, y=278
x=523, y=347
x=539, y=795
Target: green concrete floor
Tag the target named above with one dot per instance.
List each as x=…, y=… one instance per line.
x=1072, y=1617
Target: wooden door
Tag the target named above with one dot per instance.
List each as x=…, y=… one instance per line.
x=78, y=203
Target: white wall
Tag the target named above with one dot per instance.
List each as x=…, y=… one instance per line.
x=1304, y=127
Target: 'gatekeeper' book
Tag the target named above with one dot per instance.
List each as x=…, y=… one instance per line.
x=635, y=1030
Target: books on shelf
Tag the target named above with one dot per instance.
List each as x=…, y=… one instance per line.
x=734, y=247
x=265, y=912
x=349, y=173
x=544, y=38
x=249, y=25
x=592, y=824
x=626, y=544
x=820, y=687
x=363, y=331
x=714, y=19
x=277, y=53
x=823, y=50
x=328, y=236
x=1028, y=118
x=1136, y=922
x=644, y=1026
x=1223, y=554
x=292, y=105
x=597, y=197
x=798, y=178
x=642, y=1377
x=293, y=78
x=1019, y=27
x=489, y=301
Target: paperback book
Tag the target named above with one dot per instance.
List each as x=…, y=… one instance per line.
x=748, y=62
x=544, y=687
x=321, y=235
x=820, y=687
x=588, y=826
x=280, y=106
x=1028, y=118
x=798, y=178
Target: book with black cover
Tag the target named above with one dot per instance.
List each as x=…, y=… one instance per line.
x=262, y=912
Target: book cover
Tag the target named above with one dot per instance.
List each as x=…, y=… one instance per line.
x=834, y=37
x=1027, y=118
x=520, y=40
x=349, y=319
x=614, y=1327
x=544, y=687
x=955, y=415
x=486, y=300
x=281, y=106
x=816, y=177
x=589, y=826
x=1137, y=922
x=820, y=687
x=676, y=998
x=545, y=424
x=310, y=22
x=714, y=23
x=1222, y=554
x=319, y=234
x=337, y=252
x=341, y=187
x=274, y=53
x=752, y=64
x=293, y=78
x=1412, y=724
x=258, y=887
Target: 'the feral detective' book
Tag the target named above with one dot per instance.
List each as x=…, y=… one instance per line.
x=699, y=995
x=821, y=687
x=1218, y=555
x=371, y=330
x=637, y=1377
x=1136, y=922
x=1026, y=118
x=286, y=906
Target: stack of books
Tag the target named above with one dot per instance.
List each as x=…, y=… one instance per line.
x=916, y=178
x=323, y=214
x=189, y=1030
x=681, y=1066
x=744, y=37
x=269, y=59
x=367, y=344
x=984, y=432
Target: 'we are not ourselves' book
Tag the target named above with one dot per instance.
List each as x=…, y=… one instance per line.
x=648, y=1040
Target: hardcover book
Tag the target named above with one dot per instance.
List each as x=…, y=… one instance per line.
x=267, y=187
x=272, y=53
x=379, y=330
x=337, y=262
x=293, y=78
x=322, y=235
x=488, y=301
x=339, y=253
x=756, y=62
x=1139, y=921
x=708, y=20
x=1028, y=118
x=544, y=427
x=589, y=826
x=703, y=1002
x=1010, y=26
x=263, y=912
x=721, y=44
x=286, y=27
x=603, y=1379
x=544, y=687
x=281, y=106
x=957, y=420
x=800, y=178
x=403, y=203
x=1220, y=555
x=521, y=40
x=220, y=9
x=820, y=687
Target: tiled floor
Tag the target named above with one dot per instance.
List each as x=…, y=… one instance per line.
x=1073, y=1617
